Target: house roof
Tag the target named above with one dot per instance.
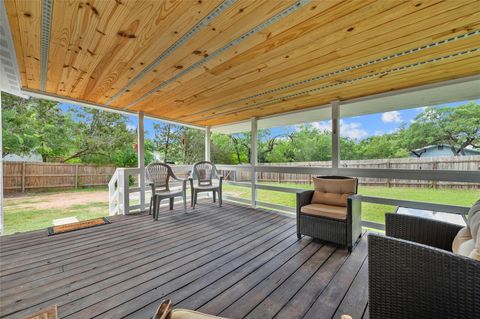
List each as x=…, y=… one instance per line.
x=441, y=145
x=217, y=62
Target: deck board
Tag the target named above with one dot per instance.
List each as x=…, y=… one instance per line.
x=232, y=261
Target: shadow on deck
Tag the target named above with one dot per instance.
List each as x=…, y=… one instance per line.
x=232, y=261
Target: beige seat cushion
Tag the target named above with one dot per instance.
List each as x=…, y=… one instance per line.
x=333, y=191
x=337, y=186
x=189, y=314
x=474, y=220
x=322, y=210
x=462, y=236
x=467, y=241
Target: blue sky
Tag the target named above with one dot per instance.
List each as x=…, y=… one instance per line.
x=358, y=127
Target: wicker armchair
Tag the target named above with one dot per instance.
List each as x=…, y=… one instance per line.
x=205, y=178
x=414, y=274
x=342, y=226
x=159, y=174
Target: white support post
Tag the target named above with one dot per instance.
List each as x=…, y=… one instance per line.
x=335, y=105
x=208, y=143
x=254, y=159
x=141, y=158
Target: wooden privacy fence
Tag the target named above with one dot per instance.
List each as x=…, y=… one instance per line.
x=461, y=163
x=31, y=176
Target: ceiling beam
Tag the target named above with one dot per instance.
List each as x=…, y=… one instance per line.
x=187, y=36
x=46, y=23
x=324, y=76
x=282, y=14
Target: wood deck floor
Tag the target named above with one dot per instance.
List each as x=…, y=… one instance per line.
x=232, y=261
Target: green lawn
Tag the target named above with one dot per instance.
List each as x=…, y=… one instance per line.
x=370, y=212
x=21, y=220
x=37, y=211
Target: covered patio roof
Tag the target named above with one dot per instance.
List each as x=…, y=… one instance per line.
x=219, y=62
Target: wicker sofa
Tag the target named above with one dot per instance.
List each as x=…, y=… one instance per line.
x=413, y=272
x=331, y=212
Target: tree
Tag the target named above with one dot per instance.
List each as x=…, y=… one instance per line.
x=311, y=144
x=382, y=146
x=17, y=125
x=168, y=141
x=35, y=126
x=98, y=135
x=193, y=141
x=459, y=127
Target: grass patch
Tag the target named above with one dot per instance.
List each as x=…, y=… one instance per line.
x=370, y=212
x=21, y=214
x=29, y=219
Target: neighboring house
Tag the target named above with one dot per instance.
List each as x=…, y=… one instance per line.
x=35, y=157
x=440, y=150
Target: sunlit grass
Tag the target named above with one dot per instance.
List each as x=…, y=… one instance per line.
x=21, y=214
x=370, y=212
x=25, y=219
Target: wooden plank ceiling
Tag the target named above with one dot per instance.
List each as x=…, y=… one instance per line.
x=210, y=62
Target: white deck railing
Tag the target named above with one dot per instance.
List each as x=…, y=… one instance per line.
x=453, y=176
x=127, y=181
x=120, y=189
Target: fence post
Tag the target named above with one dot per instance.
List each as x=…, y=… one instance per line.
x=75, y=180
x=434, y=167
x=23, y=177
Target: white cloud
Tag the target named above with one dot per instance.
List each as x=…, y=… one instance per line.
x=323, y=125
x=351, y=130
x=393, y=116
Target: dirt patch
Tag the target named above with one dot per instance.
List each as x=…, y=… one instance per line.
x=55, y=200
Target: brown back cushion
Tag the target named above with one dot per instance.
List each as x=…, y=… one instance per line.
x=333, y=191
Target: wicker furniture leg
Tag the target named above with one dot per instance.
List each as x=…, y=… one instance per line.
x=171, y=203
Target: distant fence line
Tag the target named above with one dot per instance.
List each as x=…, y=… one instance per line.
x=33, y=176
x=460, y=163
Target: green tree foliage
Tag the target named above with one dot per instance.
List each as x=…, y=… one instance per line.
x=178, y=144
x=98, y=135
x=18, y=131
x=93, y=136
x=458, y=127
x=382, y=146
x=35, y=126
x=193, y=145
x=79, y=135
x=231, y=149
